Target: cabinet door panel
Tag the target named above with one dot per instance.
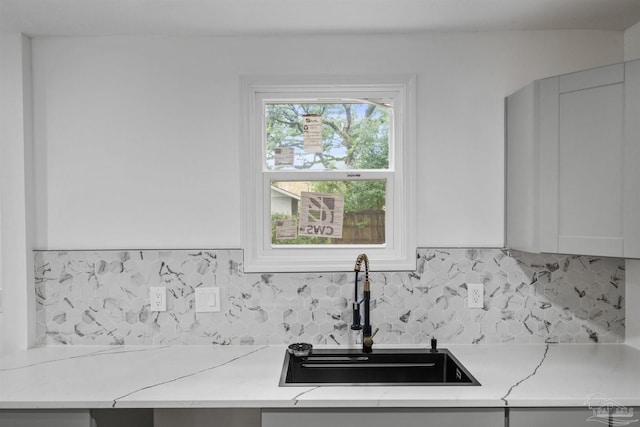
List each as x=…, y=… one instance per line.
x=572, y=417
x=454, y=417
x=45, y=418
x=590, y=170
x=548, y=172
x=631, y=189
x=521, y=171
x=122, y=417
x=206, y=417
x=536, y=417
x=577, y=160
x=581, y=133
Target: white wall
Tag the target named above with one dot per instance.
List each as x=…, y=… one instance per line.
x=137, y=138
x=16, y=193
x=632, y=43
x=1, y=281
x=632, y=270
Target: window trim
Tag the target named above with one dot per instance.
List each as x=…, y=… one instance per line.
x=399, y=251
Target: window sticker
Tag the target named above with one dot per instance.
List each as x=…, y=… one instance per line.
x=312, y=133
x=283, y=156
x=321, y=214
x=286, y=229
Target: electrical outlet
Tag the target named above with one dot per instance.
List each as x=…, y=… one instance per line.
x=475, y=295
x=158, y=298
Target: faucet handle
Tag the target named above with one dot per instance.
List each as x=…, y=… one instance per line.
x=368, y=341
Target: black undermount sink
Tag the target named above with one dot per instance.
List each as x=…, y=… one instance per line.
x=382, y=367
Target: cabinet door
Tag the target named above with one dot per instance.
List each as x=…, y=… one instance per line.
x=581, y=162
x=206, y=417
x=565, y=417
x=522, y=171
x=454, y=417
x=631, y=190
x=45, y=418
x=122, y=417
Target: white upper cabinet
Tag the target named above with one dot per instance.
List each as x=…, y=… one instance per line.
x=573, y=163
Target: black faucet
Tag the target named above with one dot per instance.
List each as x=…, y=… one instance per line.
x=367, y=338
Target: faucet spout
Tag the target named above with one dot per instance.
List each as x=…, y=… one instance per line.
x=367, y=338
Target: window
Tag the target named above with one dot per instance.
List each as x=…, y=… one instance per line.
x=328, y=173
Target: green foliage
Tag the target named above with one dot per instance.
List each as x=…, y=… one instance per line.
x=354, y=136
x=359, y=195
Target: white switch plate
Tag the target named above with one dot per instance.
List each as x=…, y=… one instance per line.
x=207, y=300
x=158, y=298
x=475, y=295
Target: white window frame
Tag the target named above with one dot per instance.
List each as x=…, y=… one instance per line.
x=398, y=253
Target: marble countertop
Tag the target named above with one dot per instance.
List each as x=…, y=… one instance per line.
x=248, y=376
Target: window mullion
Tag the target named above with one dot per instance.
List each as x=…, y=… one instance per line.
x=359, y=175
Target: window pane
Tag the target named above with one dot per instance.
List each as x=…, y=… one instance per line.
x=339, y=137
x=363, y=216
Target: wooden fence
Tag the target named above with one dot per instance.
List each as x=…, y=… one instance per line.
x=364, y=227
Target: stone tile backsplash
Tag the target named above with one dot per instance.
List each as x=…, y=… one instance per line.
x=101, y=297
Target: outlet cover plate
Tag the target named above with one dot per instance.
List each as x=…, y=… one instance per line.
x=475, y=295
x=207, y=300
x=158, y=298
